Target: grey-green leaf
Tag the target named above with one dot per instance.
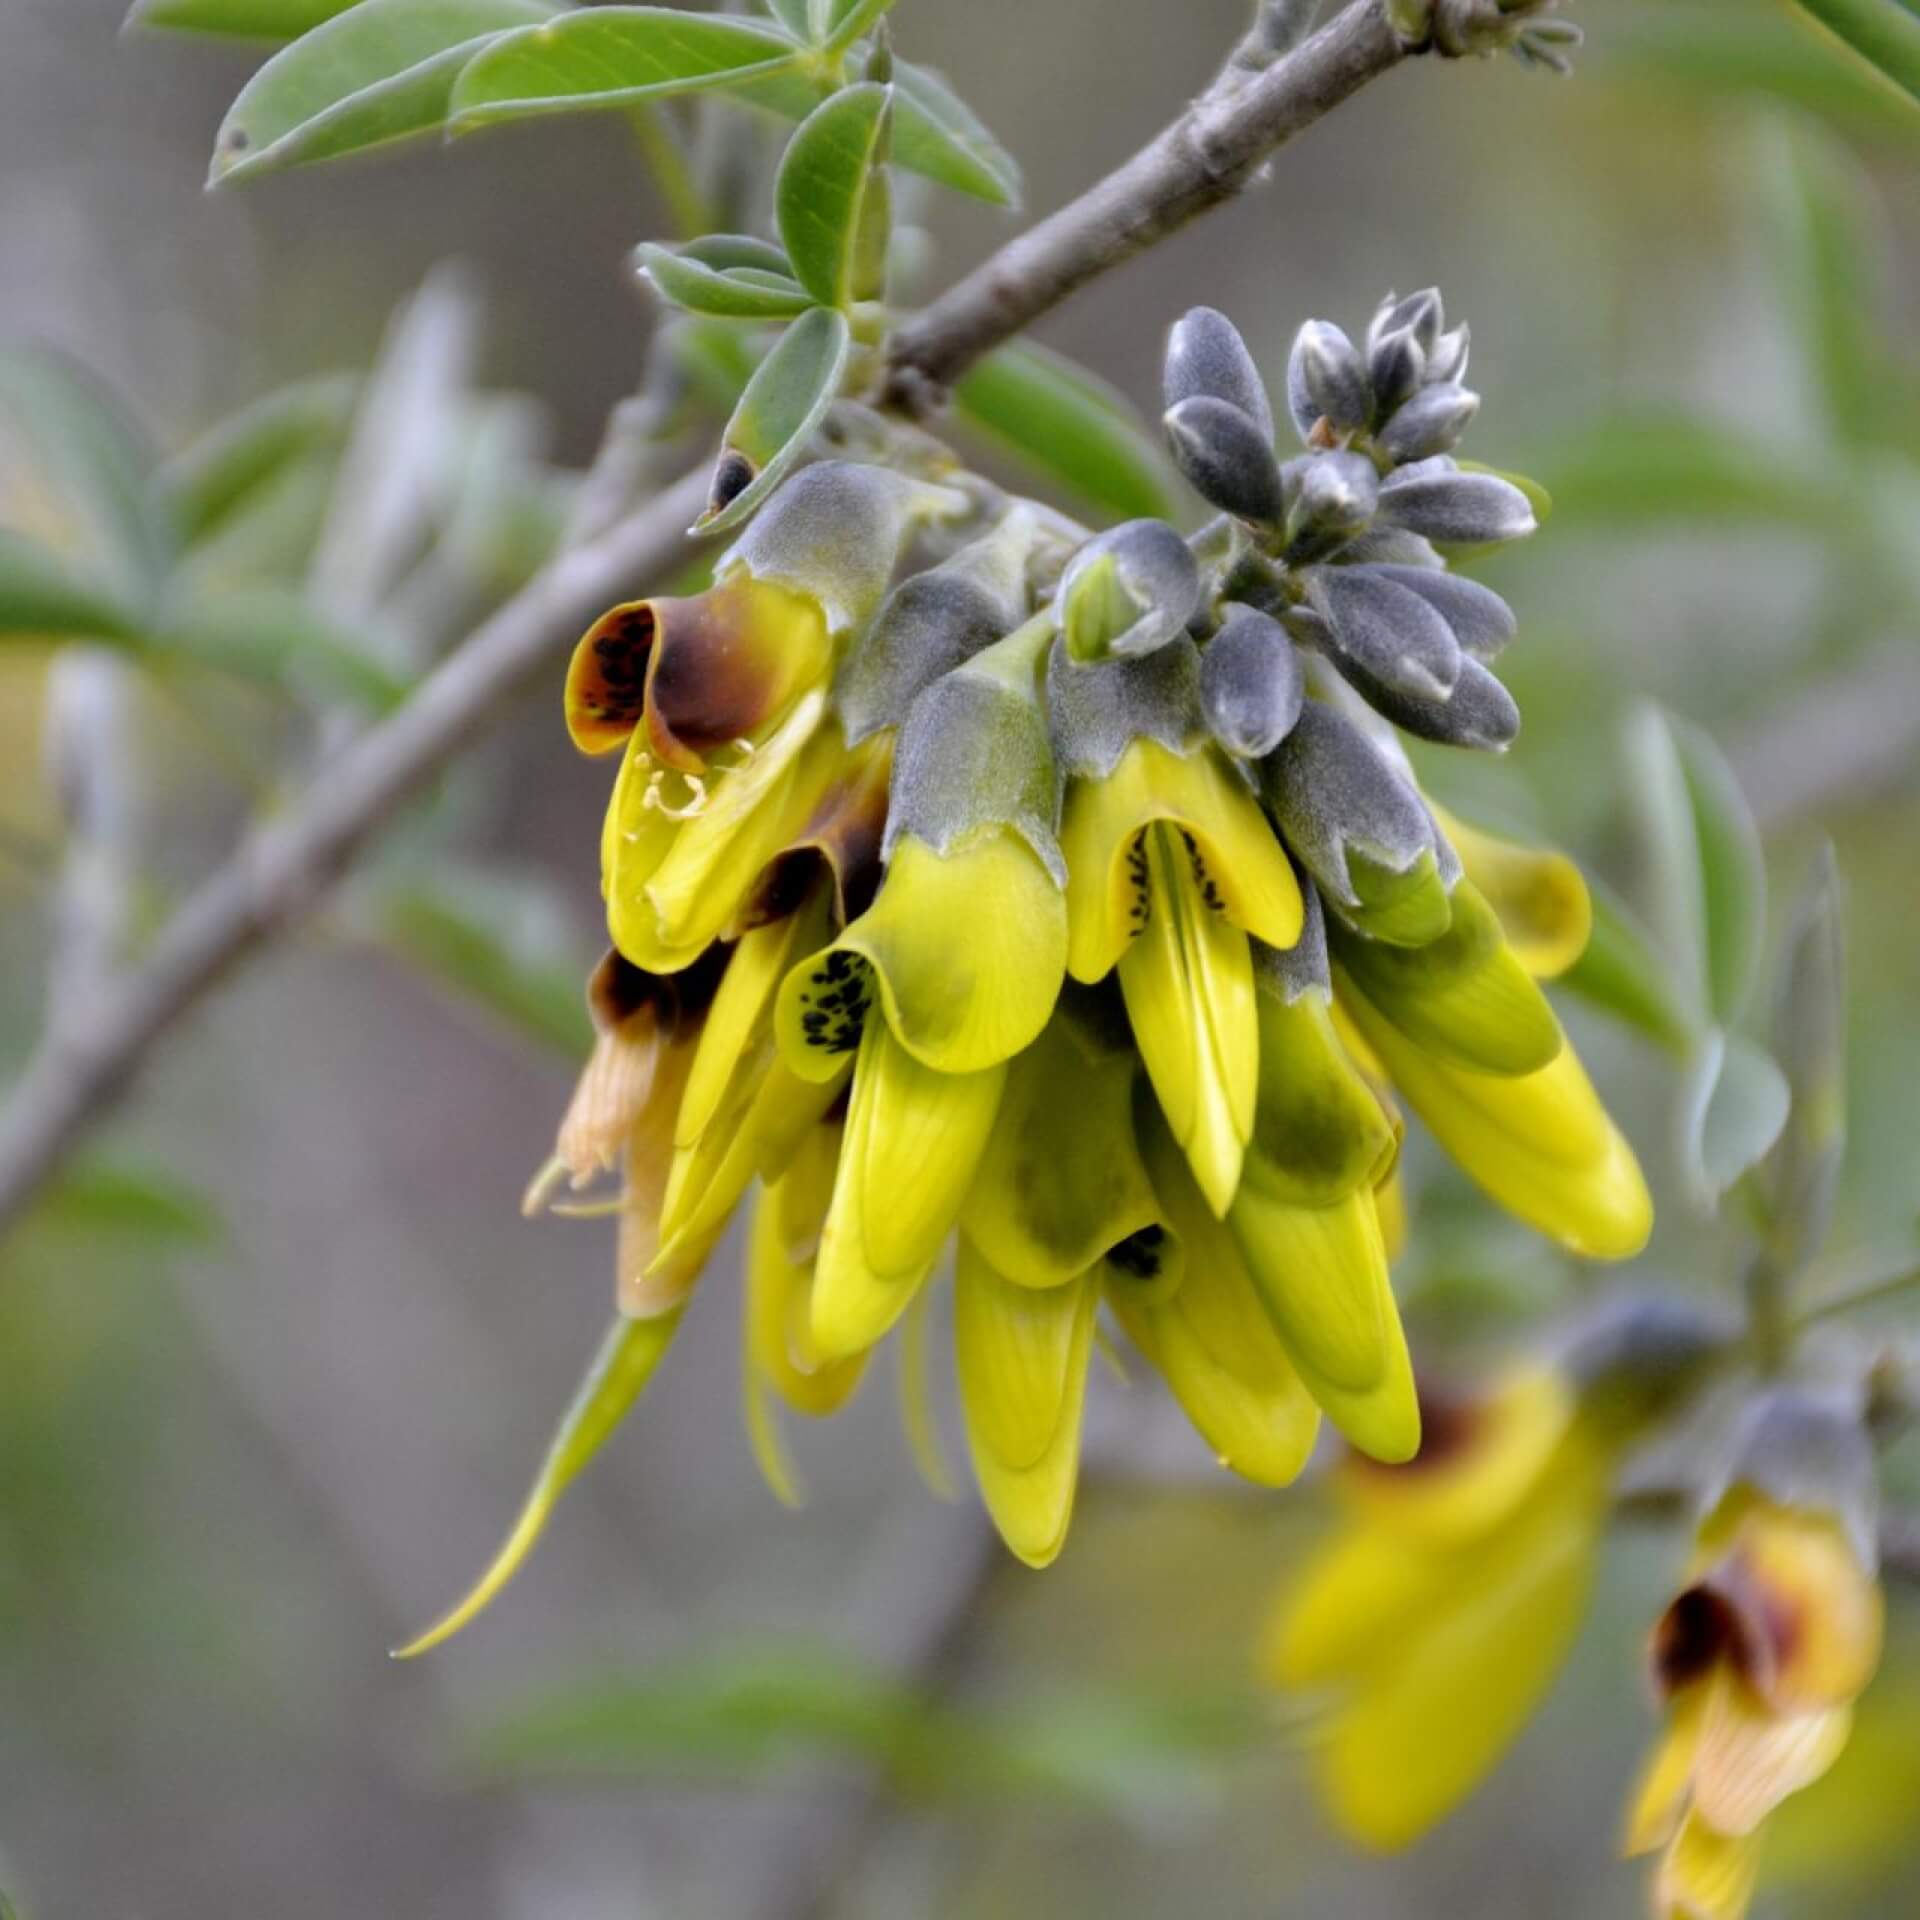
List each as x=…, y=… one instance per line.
x=382, y=71
x=785, y=401
x=731, y=293
x=836, y=24
x=94, y=457
x=1068, y=424
x=830, y=197
x=613, y=57
x=42, y=597
x=280, y=20
x=1621, y=974
x=222, y=475
x=272, y=636
x=1732, y=1109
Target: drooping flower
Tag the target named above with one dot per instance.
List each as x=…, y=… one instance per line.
x=1761, y=1656
x=1434, y=1619
x=1066, y=901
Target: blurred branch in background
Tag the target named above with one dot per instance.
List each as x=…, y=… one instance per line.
x=1206, y=156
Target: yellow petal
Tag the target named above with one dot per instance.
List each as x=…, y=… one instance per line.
x=1061, y=1180
x=966, y=949
x=913, y=1140
x=1350, y=1607
x=621, y=1369
x=1188, y=984
x=1022, y=1357
x=1660, y=1798
x=1749, y=1760
x=1322, y=1272
x=1462, y=998
x=1232, y=840
x=639, y=1291
x=1539, y=896
x=919, y=1419
x=1423, y=1731
x=1819, y=1611
x=1540, y=1144
x=1706, y=1875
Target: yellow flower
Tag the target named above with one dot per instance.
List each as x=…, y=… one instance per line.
x=1759, y=1660
x=1438, y=1614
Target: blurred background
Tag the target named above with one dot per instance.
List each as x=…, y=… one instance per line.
x=277, y=1358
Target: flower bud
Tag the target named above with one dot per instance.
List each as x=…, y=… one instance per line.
x=1356, y=824
x=1482, y=623
x=1478, y=712
x=1420, y=316
x=1206, y=357
x=1128, y=591
x=1391, y=634
x=835, y=532
x=1229, y=461
x=1454, y=508
x=1251, y=686
x=1326, y=380
x=1431, y=422
x=1448, y=360
x=932, y=622
x=1331, y=497
x=1396, y=366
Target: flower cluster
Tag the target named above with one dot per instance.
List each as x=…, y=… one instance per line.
x=973, y=879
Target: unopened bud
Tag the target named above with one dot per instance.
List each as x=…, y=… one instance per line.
x=1206, y=357
x=1229, y=461
x=1251, y=686
x=1327, y=380
x=1331, y=498
x=1455, y=508
x=1431, y=422
x=1128, y=591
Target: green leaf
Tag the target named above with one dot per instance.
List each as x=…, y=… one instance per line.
x=1621, y=974
x=830, y=198
x=42, y=598
x=95, y=456
x=935, y=132
x=271, y=636
x=1732, y=1109
x=1885, y=34
x=243, y=19
x=382, y=71
x=1826, y=243
x=628, y=1355
x=148, y=1205
x=723, y=250
x=612, y=57
x=785, y=401
x=497, y=942
x=732, y=293
x=1707, y=875
x=837, y=24
x=793, y=15
x=716, y=360
x=223, y=475
x=1069, y=425
x=1713, y=52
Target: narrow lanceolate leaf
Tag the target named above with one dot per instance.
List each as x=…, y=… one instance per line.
x=728, y=293
x=1622, y=974
x=1707, y=880
x=831, y=196
x=221, y=476
x=1732, y=1109
x=1884, y=33
x=621, y=1369
x=613, y=57
x=243, y=19
x=935, y=132
x=43, y=598
x=382, y=71
x=275, y=638
x=1069, y=425
x=93, y=457
x=790, y=391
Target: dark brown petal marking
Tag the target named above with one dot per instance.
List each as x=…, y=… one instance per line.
x=713, y=679
x=733, y=474
x=1452, y=1429
x=607, y=680
x=835, y=1001
x=617, y=989
x=1201, y=877
x=841, y=840
x=1728, y=1614
x=1139, y=1255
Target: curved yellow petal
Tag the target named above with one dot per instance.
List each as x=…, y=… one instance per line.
x=1188, y=984
x=1229, y=837
x=913, y=1140
x=1022, y=1356
x=966, y=950
x=1061, y=1180
x=628, y=1355
x=1350, y=1607
x=1748, y=1760
x=1539, y=896
x=1706, y=1875
x=1540, y=1144
x=1464, y=998
x=1322, y=1272
x=1659, y=1799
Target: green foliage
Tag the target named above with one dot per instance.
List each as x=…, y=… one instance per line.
x=382, y=71
x=732, y=292
x=278, y=20
x=785, y=401
x=95, y=1195
x=1884, y=33
x=1622, y=973
x=830, y=196
x=1067, y=424
x=42, y=598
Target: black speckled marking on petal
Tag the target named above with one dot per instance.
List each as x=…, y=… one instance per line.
x=1139, y=1255
x=835, y=1002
